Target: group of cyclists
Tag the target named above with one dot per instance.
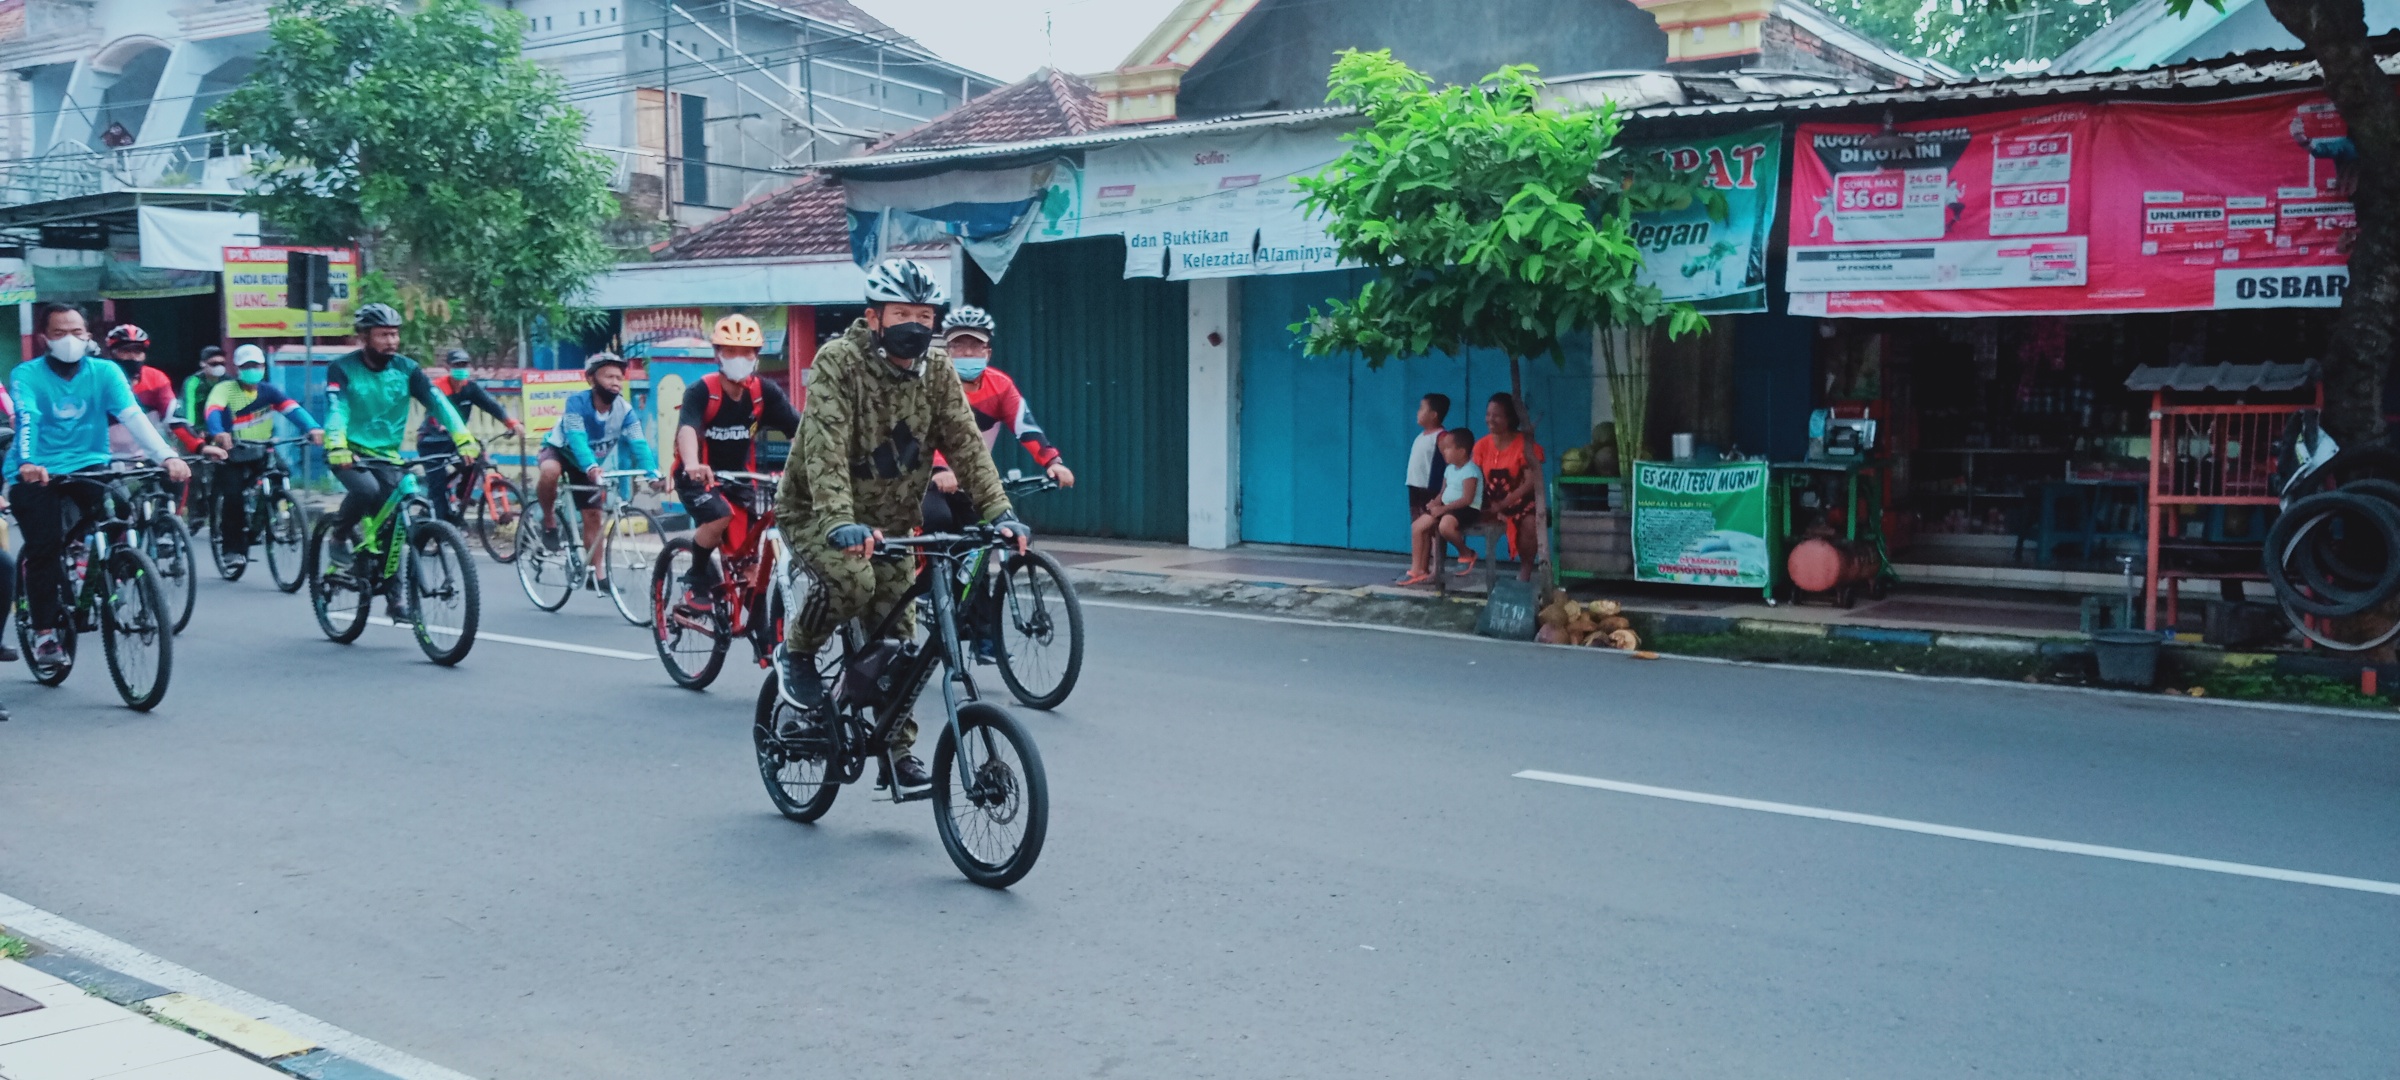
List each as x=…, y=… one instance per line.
x=896, y=434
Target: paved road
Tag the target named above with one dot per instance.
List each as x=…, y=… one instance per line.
x=1276, y=851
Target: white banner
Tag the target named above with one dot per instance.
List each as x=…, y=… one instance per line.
x=192, y=239
x=1953, y=264
x=1203, y=206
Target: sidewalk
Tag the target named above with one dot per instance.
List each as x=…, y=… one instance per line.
x=52, y=1029
x=1941, y=609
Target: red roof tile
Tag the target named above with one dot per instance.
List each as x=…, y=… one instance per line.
x=807, y=217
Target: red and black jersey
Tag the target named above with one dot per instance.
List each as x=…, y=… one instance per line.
x=995, y=401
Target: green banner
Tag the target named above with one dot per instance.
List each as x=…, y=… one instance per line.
x=1719, y=265
x=1701, y=524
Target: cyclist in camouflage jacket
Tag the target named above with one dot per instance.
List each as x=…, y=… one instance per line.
x=881, y=400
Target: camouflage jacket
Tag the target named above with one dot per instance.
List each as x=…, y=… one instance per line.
x=867, y=437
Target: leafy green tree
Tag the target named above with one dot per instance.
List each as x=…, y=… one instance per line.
x=423, y=135
x=1494, y=220
x=1973, y=37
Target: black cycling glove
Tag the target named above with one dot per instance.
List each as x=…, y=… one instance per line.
x=1008, y=524
x=844, y=537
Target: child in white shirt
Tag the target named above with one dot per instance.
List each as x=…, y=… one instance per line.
x=1448, y=518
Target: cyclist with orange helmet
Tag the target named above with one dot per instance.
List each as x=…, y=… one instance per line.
x=718, y=430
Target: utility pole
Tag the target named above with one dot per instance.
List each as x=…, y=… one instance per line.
x=2032, y=18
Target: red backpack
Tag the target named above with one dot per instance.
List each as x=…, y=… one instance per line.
x=715, y=382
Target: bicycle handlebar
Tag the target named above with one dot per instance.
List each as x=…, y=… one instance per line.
x=750, y=477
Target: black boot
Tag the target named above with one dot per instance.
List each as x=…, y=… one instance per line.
x=796, y=674
x=911, y=772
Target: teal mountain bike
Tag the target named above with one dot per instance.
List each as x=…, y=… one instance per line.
x=417, y=562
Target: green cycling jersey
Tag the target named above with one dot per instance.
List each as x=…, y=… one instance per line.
x=366, y=410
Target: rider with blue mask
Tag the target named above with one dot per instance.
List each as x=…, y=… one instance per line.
x=244, y=408
x=64, y=407
x=595, y=426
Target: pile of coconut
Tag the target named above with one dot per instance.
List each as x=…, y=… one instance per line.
x=1599, y=624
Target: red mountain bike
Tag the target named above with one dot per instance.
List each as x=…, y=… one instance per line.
x=749, y=601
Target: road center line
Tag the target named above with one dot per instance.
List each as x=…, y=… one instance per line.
x=2037, y=843
x=538, y=643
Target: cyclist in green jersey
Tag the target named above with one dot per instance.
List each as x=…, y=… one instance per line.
x=367, y=392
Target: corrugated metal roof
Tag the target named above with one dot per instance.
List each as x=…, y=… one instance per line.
x=2224, y=378
x=1109, y=137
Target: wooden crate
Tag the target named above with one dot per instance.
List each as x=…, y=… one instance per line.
x=1595, y=543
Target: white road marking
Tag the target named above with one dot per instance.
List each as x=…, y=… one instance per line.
x=2036, y=843
x=90, y=944
x=538, y=643
x=1870, y=673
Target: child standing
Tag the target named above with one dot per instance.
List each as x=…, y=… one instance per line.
x=1448, y=518
x=1424, y=455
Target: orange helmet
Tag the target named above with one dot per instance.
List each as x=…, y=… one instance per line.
x=738, y=331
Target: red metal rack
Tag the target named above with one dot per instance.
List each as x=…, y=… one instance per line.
x=2208, y=455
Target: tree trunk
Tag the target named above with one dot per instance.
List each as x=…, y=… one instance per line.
x=2335, y=33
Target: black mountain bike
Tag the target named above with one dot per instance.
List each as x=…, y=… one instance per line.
x=111, y=588
x=991, y=800
x=274, y=516
x=159, y=528
x=1024, y=606
x=413, y=559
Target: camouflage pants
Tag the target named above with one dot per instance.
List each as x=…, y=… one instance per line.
x=847, y=587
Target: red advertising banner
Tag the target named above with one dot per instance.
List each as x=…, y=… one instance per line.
x=2080, y=208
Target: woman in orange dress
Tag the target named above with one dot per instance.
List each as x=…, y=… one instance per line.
x=1512, y=466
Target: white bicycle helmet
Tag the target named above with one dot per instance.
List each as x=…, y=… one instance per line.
x=968, y=319
x=904, y=281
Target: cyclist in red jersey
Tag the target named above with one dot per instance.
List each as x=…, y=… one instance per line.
x=718, y=429
x=129, y=346
x=993, y=396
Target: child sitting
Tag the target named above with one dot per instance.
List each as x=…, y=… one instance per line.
x=1449, y=517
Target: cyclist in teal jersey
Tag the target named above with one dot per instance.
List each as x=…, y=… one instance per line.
x=367, y=392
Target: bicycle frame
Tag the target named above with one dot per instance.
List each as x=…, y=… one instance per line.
x=757, y=563
x=387, y=525
x=937, y=556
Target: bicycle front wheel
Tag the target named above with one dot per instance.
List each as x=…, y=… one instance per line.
x=1040, y=629
x=635, y=541
x=796, y=751
x=287, y=542
x=991, y=800
x=498, y=514
x=333, y=585
x=168, y=543
x=691, y=642
x=136, y=629
x=441, y=591
x=548, y=571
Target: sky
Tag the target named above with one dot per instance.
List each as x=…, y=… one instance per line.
x=1006, y=40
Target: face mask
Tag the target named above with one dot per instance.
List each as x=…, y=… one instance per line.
x=908, y=340
x=738, y=368
x=461, y=374
x=215, y=371
x=252, y=376
x=970, y=368
x=69, y=349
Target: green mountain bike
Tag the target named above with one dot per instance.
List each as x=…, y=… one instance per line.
x=409, y=556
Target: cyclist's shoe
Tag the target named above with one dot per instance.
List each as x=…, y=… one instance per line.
x=796, y=678
x=987, y=651
x=8, y=653
x=48, y=649
x=911, y=772
x=696, y=601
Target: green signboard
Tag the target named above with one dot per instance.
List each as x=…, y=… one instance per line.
x=1701, y=524
x=1721, y=266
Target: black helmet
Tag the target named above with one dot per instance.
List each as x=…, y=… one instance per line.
x=374, y=315
x=457, y=358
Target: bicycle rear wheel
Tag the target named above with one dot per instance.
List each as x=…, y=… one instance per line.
x=1041, y=630
x=795, y=755
x=333, y=589
x=168, y=543
x=498, y=515
x=287, y=541
x=635, y=540
x=994, y=820
x=45, y=674
x=549, y=572
x=136, y=629
x=441, y=591
x=230, y=564
x=690, y=643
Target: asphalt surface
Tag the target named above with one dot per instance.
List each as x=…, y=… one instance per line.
x=1275, y=851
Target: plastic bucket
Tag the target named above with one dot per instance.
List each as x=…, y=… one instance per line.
x=2127, y=657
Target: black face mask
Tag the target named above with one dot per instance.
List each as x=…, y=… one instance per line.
x=908, y=340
